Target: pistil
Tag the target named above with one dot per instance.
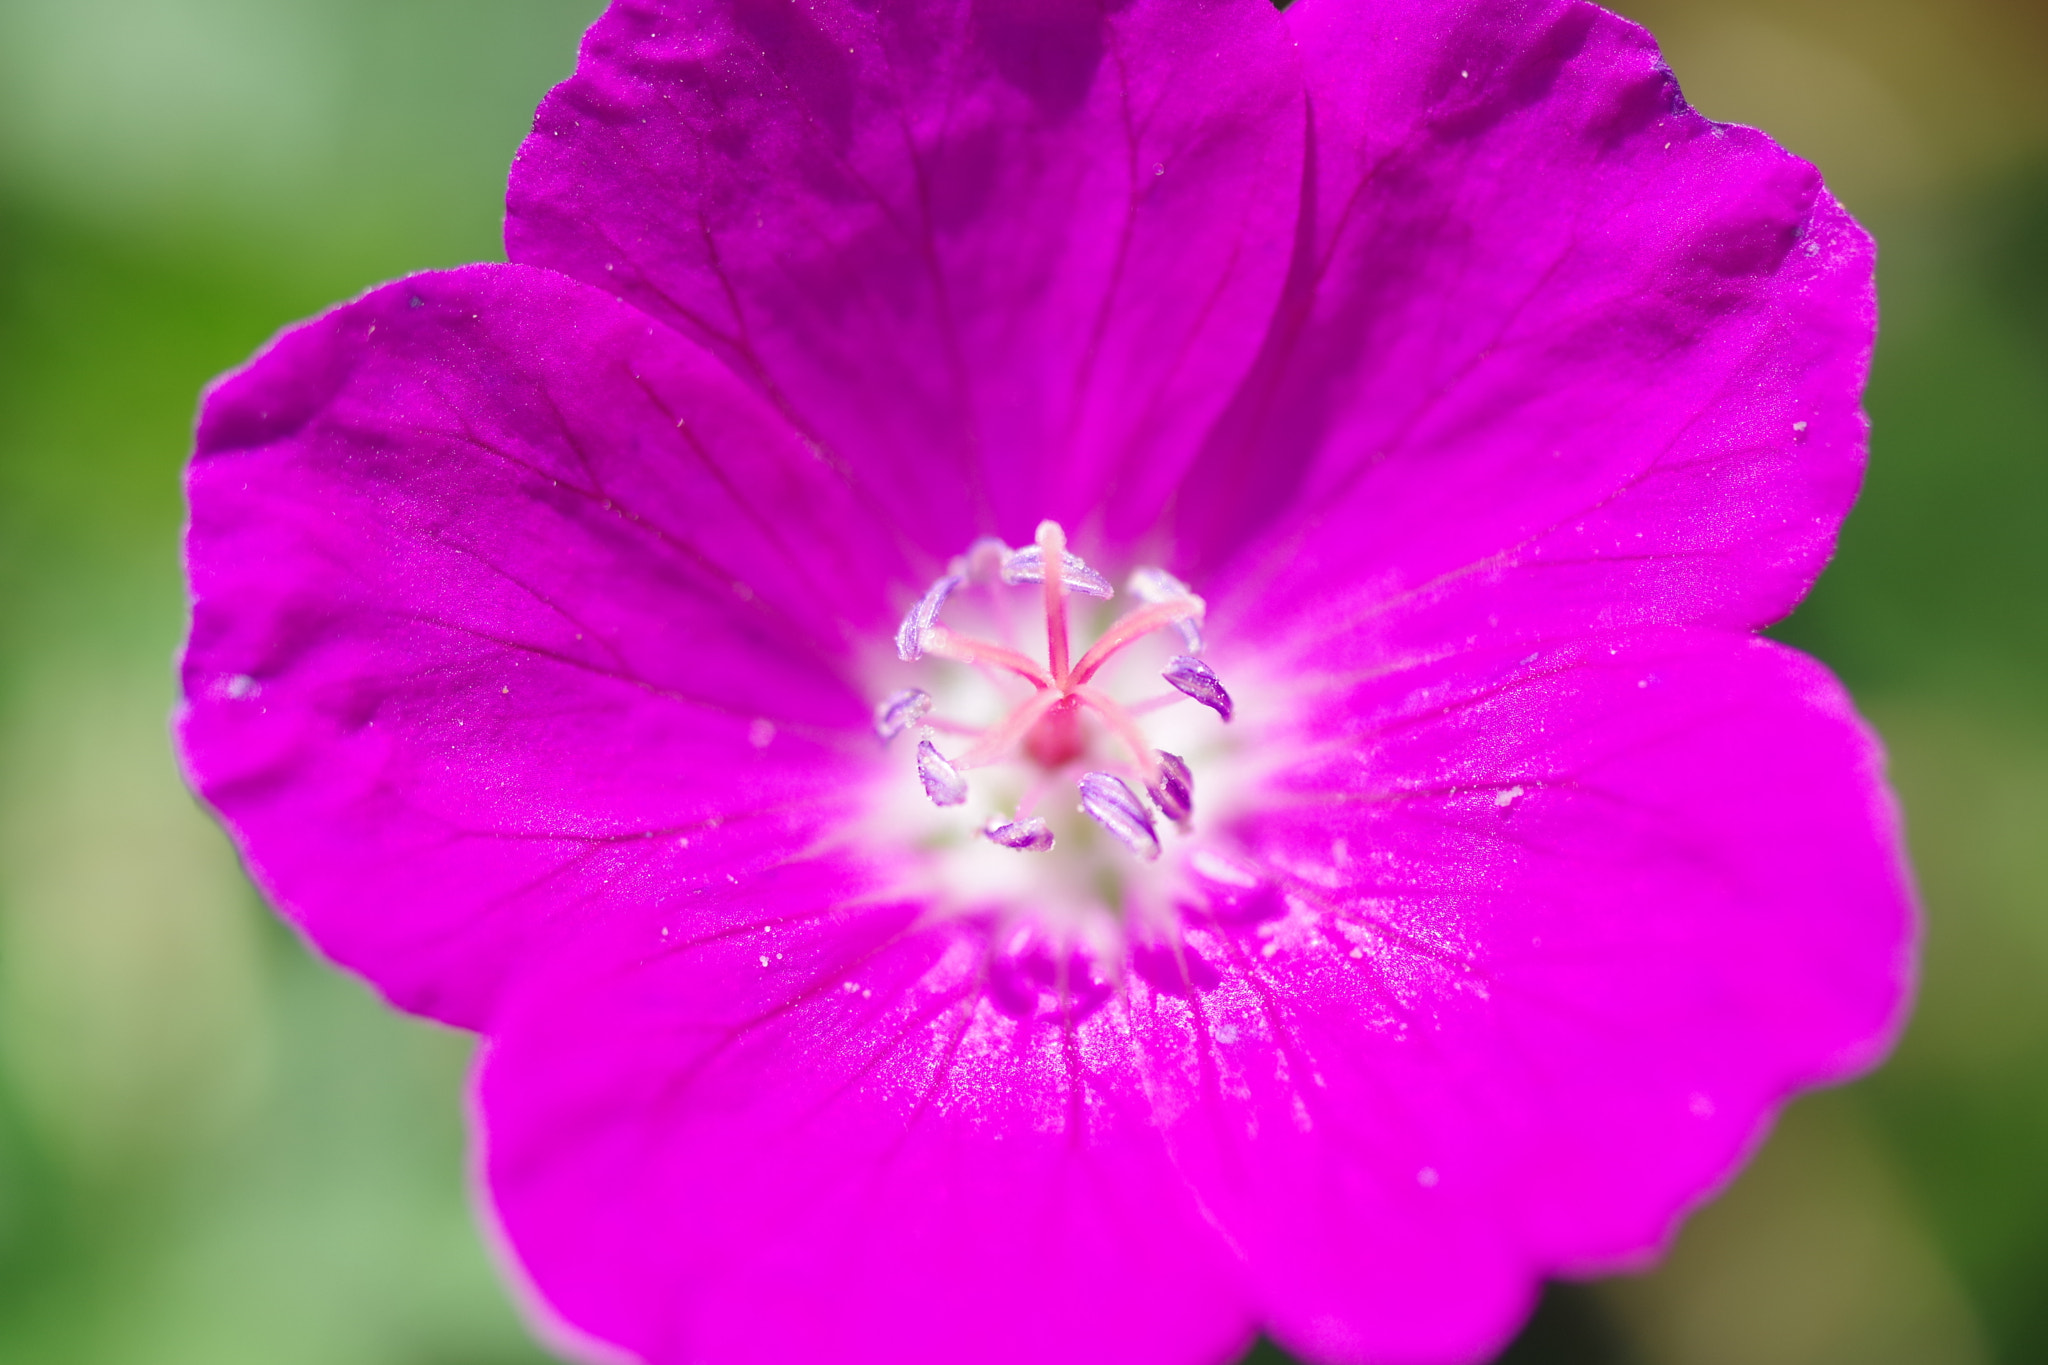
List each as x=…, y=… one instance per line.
x=1052, y=547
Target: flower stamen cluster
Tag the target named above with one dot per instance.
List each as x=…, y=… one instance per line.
x=1045, y=729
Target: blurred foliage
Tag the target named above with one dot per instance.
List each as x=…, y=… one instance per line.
x=213, y=1148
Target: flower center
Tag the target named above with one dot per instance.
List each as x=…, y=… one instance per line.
x=1057, y=726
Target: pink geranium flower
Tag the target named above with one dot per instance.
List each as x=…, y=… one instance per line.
x=1428, y=883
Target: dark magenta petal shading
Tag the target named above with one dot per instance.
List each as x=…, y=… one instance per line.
x=512, y=610
x=1004, y=258
x=1546, y=941
x=1553, y=325
x=1565, y=931
x=837, y=1133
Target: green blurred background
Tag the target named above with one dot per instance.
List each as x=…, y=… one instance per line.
x=213, y=1149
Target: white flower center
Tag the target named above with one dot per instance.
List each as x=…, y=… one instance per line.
x=1051, y=784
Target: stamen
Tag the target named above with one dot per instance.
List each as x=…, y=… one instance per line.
x=1132, y=626
x=904, y=709
x=910, y=635
x=1052, y=555
x=1157, y=585
x=967, y=650
x=942, y=781
x=1033, y=835
x=1111, y=803
x=1044, y=730
x=1123, y=725
x=1173, y=790
x=983, y=562
x=1150, y=584
x=1198, y=680
x=1028, y=566
x=1000, y=739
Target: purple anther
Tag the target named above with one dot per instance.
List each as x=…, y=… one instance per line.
x=1111, y=803
x=1174, y=792
x=1030, y=836
x=1028, y=566
x=1198, y=680
x=1148, y=584
x=983, y=562
x=904, y=709
x=919, y=619
x=942, y=781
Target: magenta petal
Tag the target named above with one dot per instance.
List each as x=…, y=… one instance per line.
x=835, y=1135
x=1004, y=258
x=1536, y=948
x=1561, y=934
x=1553, y=324
x=512, y=611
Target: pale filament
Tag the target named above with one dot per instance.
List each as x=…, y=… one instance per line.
x=966, y=649
x=1131, y=626
x=1033, y=794
x=998, y=740
x=1124, y=727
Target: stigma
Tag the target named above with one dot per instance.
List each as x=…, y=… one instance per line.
x=1063, y=735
